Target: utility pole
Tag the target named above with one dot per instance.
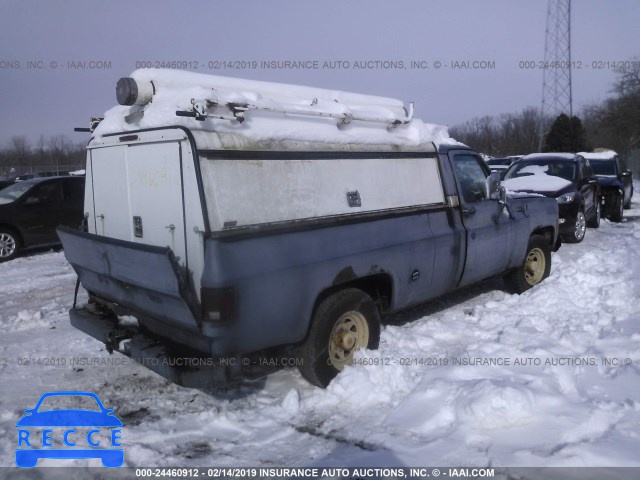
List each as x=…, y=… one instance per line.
x=556, y=76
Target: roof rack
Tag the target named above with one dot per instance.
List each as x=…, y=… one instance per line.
x=230, y=99
x=210, y=108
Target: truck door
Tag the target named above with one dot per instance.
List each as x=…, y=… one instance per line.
x=137, y=194
x=144, y=249
x=156, y=196
x=487, y=226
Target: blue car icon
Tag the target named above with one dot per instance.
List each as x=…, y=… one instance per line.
x=69, y=418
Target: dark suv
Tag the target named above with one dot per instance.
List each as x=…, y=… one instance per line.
x=568, y=178
x=615, y=182
x=31, y=210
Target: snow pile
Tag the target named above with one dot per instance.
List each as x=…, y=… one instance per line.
x=174, y=90
x=24, y=320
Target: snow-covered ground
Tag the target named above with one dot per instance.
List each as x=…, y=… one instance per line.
x=560, y=406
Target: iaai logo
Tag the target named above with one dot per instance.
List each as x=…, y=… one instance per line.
x=57, y=428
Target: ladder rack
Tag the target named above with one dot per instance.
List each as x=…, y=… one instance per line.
x=209, y=108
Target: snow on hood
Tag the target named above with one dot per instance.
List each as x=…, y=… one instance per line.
x=175, y=89
x=537, y=181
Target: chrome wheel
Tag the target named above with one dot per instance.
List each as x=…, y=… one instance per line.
x=581, y=226
x=7, y=245
x=350, y=333
x=535, y=266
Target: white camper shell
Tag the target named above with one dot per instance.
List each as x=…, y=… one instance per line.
x=163, y=185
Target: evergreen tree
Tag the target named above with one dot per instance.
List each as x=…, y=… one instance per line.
x=567, y=134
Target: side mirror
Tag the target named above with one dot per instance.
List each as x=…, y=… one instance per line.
x=626, y=173
x=493, y=186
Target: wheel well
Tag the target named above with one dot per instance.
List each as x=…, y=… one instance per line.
x=379, y=287
x=546, y=232
x=6, y=226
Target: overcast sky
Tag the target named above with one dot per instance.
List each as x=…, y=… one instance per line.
x=57, y=92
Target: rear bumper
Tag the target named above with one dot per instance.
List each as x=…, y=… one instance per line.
x=142, y=278
x=186, y=368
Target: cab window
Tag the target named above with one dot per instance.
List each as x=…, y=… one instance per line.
x=472, y=176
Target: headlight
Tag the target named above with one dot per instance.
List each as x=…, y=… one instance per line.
x=566, y=198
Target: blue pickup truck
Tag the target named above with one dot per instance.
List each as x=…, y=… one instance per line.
x=240, y=227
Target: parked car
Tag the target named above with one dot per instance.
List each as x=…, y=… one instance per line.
x=31, y=210
x=615, y=181
x=5, y=183
x=502, y=164
x=568, y=178
x=299, y=238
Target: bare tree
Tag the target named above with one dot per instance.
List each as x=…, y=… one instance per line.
x=629, y=81
x=508, y=134
x=20, y=149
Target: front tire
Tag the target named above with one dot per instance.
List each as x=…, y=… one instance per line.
x=579, y=230
x=343, y=323
x=9, y=245
x=534, y=269
x=594, y=221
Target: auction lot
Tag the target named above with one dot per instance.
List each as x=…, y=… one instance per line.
x=480, y=377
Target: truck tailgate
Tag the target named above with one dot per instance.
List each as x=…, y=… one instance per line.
x=145, y=279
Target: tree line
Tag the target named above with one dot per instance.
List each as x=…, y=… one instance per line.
x=48, y=154
x=613, y=123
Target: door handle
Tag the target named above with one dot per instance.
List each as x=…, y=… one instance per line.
x=468, y=211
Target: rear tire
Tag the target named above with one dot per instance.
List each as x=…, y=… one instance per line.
x=627, y=205
x=618, y=213
x=343, y=323
x=9, y=244
x=534, y=269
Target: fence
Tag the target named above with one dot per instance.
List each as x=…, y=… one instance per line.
x=11, y=171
